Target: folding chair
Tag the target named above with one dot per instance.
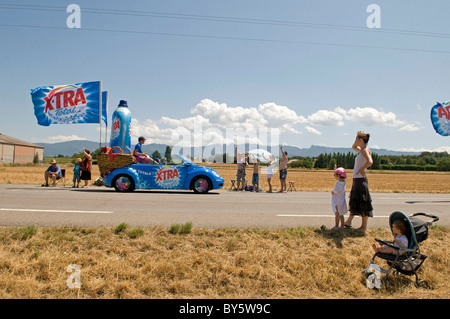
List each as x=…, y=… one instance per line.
x=63, y=177
x=291, y=187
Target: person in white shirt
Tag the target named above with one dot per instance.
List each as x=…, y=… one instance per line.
x=338, y=201
x=271, y=163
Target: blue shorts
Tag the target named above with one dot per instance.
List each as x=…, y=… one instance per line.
x=76, y=177
x=255, y=178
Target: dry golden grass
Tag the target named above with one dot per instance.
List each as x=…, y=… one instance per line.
x=222, y=263
x=305, y=180
x=34, y=175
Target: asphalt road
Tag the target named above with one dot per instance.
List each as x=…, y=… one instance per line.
x=23, y=205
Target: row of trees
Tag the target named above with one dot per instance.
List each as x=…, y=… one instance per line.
x=431, y=161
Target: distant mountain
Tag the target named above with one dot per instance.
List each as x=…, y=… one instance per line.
x=71, y=147
x=67, y=148
x=315, y=150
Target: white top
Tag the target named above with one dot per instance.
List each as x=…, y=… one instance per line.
x=338, y=198
x=360, y=161
x=270, y=169
x=403, y=240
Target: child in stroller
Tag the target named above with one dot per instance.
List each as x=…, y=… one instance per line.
x=405, y=260
x=399, y=229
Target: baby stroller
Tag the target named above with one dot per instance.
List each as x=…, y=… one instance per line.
x=407, y=260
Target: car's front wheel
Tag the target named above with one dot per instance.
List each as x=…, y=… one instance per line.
x=201, y=184
x=123, y=183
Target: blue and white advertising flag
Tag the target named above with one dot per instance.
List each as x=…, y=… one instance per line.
x=440, y=118
x=105, y=107
x=68, y=104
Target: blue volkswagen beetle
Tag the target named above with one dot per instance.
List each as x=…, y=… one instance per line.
x=186, y=175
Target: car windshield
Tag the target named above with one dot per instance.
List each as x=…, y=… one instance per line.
x=183, y=159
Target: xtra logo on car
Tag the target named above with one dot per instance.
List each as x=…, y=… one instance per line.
x=168, y=177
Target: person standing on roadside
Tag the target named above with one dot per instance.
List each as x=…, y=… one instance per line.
x=338, y=201
x=283, y=170
x=270, y=164
x=86, y=167
x=242, y=163
x=360, y=202
x=255, y=177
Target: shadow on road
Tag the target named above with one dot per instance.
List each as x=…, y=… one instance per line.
x=140, y=191
x=428, y=201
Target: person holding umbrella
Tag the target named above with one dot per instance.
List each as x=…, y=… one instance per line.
x=270, y=163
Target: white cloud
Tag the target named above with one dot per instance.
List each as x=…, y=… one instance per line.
x=442, y=149
x=222, y=116
x=363, y=115
x=216, y=118
x=280, y=113
x=212, y=114
x=409, y=128
x=371, y=116
x=312, y=130
x=189, y=122
x=439, y=149
x=150, y=130
x=325, y=117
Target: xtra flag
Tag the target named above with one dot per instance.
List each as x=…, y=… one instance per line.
x=105, y=107
x=67, y=104
x=440, y=118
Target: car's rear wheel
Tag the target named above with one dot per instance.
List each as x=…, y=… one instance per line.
x=201, y=184
x=123, y=183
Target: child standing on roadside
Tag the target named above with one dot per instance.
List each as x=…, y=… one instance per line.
x=338, y=201
x=77, y=172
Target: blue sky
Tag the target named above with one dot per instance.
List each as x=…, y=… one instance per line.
x=311, y=69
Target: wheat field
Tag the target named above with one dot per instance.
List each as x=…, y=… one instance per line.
x=304, y=180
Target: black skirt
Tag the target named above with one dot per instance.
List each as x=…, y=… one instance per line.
x=85, y=176
x=360, y=202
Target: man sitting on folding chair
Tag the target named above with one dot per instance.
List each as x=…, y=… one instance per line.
x=53, y=172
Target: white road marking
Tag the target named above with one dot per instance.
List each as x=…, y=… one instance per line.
x=26, y=210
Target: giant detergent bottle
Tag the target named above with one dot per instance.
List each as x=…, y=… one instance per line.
x=121, y=128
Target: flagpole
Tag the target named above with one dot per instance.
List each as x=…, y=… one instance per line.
x=106, y=117
x=100, y=111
